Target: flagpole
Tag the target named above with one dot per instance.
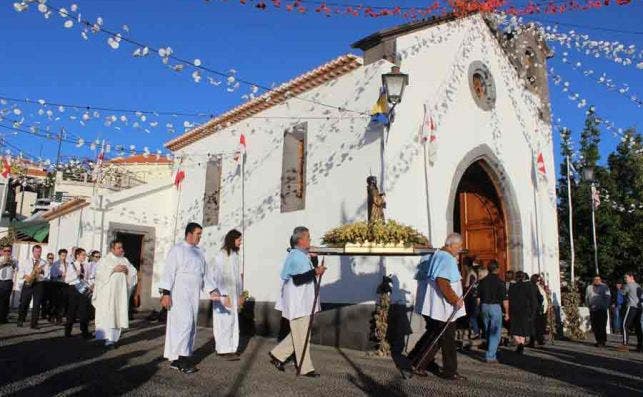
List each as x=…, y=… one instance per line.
x=537, y=187
x=592, y=190
x=571, y=225
x=243, y=219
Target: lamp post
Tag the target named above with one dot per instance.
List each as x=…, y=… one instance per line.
x=394, y=84
x=588, y=176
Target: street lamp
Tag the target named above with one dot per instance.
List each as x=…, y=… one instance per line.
x=393, y=83
x=588, y=176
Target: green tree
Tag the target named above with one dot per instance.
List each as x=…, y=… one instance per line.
x=625, y=198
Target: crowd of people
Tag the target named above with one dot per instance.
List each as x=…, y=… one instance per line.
x=90, y=286
x=624, y=303
x=77, y=288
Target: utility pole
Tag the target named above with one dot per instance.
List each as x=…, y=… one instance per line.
x=52, y=190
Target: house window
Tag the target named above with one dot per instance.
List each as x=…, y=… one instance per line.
x=212, y=193
x=293, y=169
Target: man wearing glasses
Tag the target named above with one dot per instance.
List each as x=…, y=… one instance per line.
x=7, y=270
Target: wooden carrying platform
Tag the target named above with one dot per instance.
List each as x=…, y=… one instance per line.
x=373, y=250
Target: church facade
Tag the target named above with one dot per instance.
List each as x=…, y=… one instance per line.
x=485, y=170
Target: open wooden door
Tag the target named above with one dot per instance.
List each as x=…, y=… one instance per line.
x=480, y=218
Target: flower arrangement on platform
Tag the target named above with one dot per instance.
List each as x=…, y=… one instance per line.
x=389, y=232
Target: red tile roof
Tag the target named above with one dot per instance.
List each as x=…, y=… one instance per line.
x=307, y=81
x=65, y=208
x=140, y=159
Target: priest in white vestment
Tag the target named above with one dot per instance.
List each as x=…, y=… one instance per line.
x=183, y=279
x=298, y=290
x=114, y=281
x=227, y=277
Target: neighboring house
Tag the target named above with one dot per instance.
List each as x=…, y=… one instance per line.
x=115, y=175
x=307, y=164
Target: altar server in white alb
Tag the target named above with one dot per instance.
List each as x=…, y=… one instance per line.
x=184, y=277
x=113, y=283
x=226, y=276
x=298, y=289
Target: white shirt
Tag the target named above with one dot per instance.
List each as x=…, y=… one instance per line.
x=7, y=272
x=26, y=268
x=90, y=272
x=72, y=273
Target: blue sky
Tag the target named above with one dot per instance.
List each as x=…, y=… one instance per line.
x=42, y=59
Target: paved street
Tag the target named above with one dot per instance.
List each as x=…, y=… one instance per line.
x=43, y=362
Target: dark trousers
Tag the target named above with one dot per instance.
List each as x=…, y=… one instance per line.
x=78, y=307
x=421, y=357
x=6, y=286
x=540, y=324
x=59, y=298
x=598, y=318
x=632, y=318
x=47, y=306
x=28, y=292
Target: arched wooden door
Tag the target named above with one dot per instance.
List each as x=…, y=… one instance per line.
x=480, y=219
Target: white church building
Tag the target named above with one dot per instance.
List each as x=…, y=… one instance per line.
x=310, y=147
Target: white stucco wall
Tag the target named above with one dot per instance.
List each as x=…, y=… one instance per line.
x=342, y=153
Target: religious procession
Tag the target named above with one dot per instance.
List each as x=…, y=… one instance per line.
x=444, y=213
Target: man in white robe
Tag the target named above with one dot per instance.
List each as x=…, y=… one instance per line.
x=298, y=290
x=113, y=282
x=184, y=276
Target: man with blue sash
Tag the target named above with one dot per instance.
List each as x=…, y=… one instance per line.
x=439, y=294
x=298, y=290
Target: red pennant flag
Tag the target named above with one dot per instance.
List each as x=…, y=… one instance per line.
x=540, y=165
x=178, y=178
x=242, y=148
x=6, y=168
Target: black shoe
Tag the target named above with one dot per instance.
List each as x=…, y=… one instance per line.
x=34, y=326
x=311, y=374
x=455, y=376
x=176, y=364
x=188, y=369
x=278, y=364
x=19, y=324
x=419, y=372
x=88, y=335
x=433, y=368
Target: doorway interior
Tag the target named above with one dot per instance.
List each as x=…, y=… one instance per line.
x=479, y=217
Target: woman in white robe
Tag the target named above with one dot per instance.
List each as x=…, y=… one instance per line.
x=226, y=275
x=115, y=279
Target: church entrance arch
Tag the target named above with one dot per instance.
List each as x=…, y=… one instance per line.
x=479, y=216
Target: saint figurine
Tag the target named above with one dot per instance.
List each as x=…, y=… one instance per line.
x=376, y=202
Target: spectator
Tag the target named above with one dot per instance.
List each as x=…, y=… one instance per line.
x=492, y=293
x=597, y=299
x=618, y=299
x=540, y=318
x=522, y=305
x=632, y=319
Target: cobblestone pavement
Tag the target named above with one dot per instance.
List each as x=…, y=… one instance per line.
x=43, y=362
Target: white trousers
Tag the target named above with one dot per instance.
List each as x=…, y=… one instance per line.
x=294, y=342
x=111, y=335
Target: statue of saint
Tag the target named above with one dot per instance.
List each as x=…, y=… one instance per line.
x=376, y=202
